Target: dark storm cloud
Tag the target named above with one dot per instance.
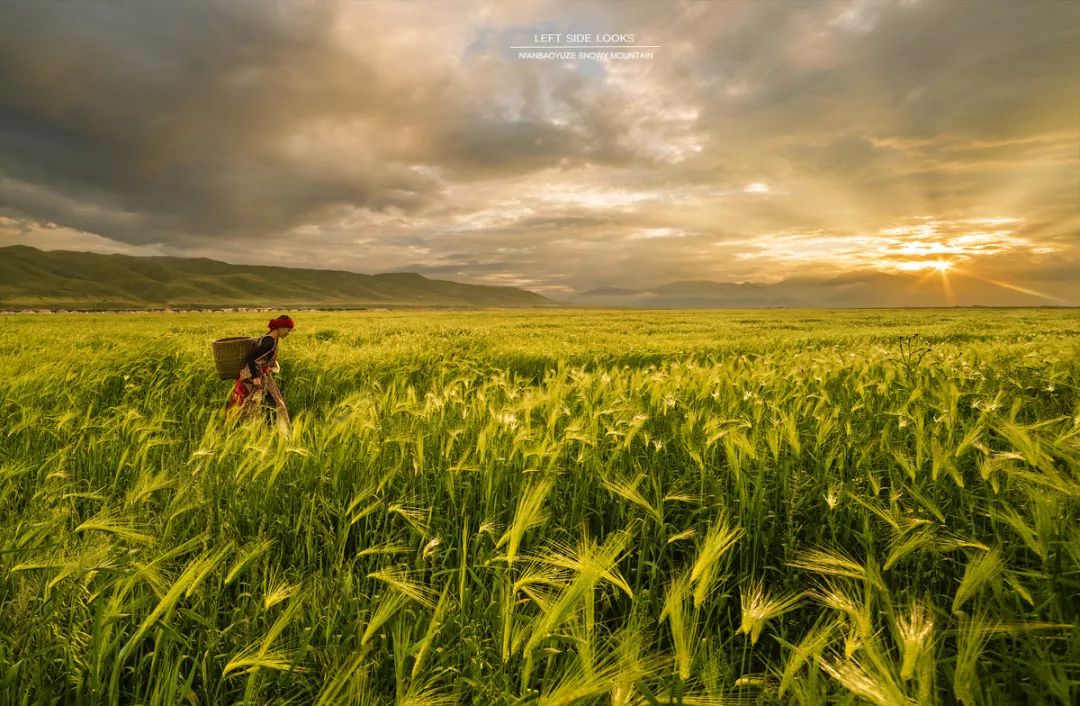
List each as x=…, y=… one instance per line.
x=792, y=72
x=174, y=117
x=493, y=146
x=918, y=69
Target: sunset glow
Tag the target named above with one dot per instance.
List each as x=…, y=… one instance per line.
x=759, y=142
x=918, y=266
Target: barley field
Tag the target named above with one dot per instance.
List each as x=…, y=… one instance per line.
x=545, y=507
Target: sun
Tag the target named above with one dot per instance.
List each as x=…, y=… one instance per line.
x=924, y=266
x=931, y=270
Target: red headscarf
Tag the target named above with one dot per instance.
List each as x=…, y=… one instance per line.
x=281, y=322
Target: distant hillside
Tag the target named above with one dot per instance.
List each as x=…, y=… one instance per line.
x=855, y=289
x=696, y=294
x=32, y=278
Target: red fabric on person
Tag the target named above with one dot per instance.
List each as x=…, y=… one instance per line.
x=280, y=323
x=240, y=391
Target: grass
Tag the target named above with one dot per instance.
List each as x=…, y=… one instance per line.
x=560, y=507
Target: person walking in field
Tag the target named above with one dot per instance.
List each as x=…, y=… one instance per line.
x=257, y=375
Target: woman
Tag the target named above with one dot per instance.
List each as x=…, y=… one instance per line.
x=256, y=373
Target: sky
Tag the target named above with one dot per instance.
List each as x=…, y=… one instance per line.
x=937, y=142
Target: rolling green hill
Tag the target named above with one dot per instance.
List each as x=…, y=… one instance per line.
x=32, y=278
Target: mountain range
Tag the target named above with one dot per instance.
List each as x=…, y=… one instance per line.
x=32, y=278
x=54, y=279
x=854, y=289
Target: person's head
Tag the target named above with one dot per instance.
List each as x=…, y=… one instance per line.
x=282, y=324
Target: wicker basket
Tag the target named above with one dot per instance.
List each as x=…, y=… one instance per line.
x=229, y=354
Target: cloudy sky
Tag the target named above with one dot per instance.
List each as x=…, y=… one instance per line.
x=752, y=142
